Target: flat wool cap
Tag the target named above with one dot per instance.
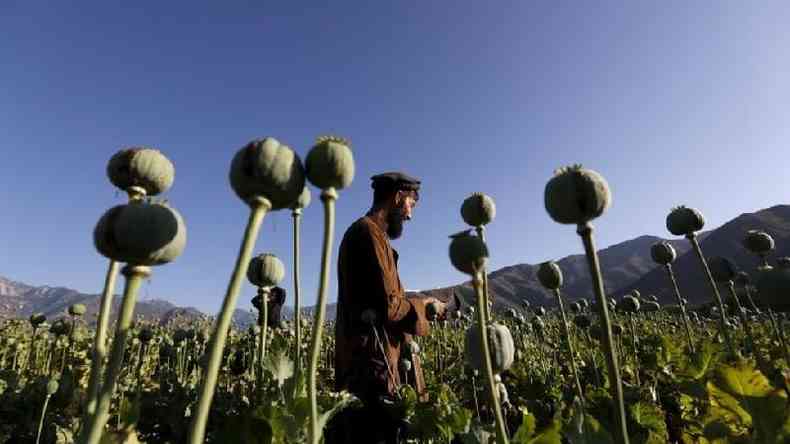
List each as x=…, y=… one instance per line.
x=395, y=180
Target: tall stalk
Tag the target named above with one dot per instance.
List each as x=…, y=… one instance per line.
x=571, y=353
x=682, y=306
x=297, y=217
x=722, y=319
x=135, y=275
x=585, y=230
x=482, y=324
x=259, y=207
x=744, y=320
x=100, y=340
x=264, y=320
x=481, y=232
x=328, y=197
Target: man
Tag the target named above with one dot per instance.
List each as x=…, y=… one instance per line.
x=276, y=301
x=375, y=320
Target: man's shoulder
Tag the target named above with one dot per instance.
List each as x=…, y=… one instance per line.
x=363, y=226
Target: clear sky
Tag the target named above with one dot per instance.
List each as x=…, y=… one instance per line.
x=673, y=102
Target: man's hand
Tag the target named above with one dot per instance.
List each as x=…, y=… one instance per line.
x=434, y=309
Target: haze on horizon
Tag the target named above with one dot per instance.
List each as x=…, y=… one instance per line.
x=673, y=103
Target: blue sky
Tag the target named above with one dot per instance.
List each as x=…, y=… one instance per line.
x=674, y=103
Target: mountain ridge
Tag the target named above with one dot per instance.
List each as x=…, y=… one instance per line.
x=626, y=266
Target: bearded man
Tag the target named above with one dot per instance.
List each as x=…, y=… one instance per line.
x=375, y=320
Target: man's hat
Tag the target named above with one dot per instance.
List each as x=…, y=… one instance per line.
x=395, y=180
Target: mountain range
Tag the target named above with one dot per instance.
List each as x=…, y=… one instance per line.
x=625, y=266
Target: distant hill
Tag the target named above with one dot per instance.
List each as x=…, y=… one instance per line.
x=628, y=265
x=625, y=266
x=20, y=300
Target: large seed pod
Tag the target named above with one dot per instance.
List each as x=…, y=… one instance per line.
x=468, y=253
x=37, y=319
x=742, y=279
x=576, y=195
x=663, y=253
x=77, y=309
x=267, y=168
x=303, y=201
x=330, y=163
x=628, y=304
x=478, y=210
x=758, y=242
x=550, y=275
x=146, y=334
x=683, y=221
x=773, y=288
x=722, y=269
x=651, y=306
x=265, y=270
x=141, y=233
x=60, y=328
x=146, y=168
x=500, y=344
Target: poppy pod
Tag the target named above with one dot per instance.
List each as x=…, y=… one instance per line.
x=303, y=201
x=36, y=319
x=77, y=309
x=663, y=253
x=330, y=163
x=146, y=335
x=576, y=195
x=266, y=168
x=722, y=269
x=141, y=233
x=550, y=275
x=651, y=307
x=758, y=242
x=629, y=304
x=501, y=348
x=265, y=270
x=773, y=288
x=468, y=253
x=684, y=221
x=478, y=210
x=742, y=279
x=144, y=168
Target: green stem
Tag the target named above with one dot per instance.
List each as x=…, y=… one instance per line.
x=780, y=336
x=615, y=383
x=297, y=216
x=682, y=306
x=100, y=340
x=41, y=421
x=481, y=232
x=328, y=197
x=635, y=342
x=258, y=208
x=724, y=332
x=264, y=320
x=749, y=297
x=745, y=321
x=482, y=330
x=571, y=353
x=92, y=433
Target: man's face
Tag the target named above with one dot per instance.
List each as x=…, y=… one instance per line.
x=400, y=212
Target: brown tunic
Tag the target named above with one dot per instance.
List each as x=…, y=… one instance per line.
x=368, y=279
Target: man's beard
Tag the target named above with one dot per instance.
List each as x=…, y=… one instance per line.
x=395, y=223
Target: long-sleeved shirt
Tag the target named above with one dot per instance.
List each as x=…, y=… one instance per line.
x=368, y=280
